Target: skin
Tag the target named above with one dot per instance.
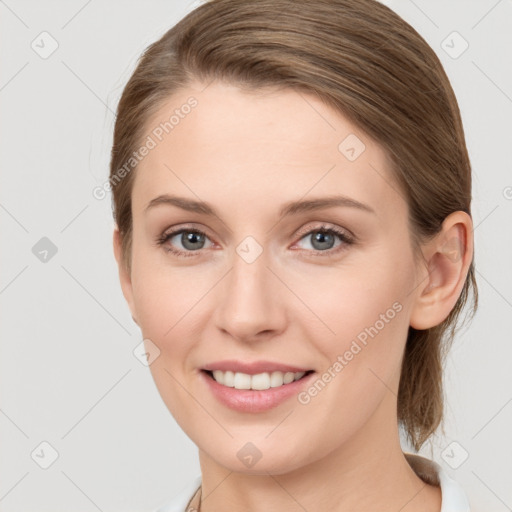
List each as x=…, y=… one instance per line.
x=247, y=153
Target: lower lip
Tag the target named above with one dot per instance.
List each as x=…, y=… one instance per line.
x=250, y=400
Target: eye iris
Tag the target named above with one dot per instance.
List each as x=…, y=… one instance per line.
x=321, y=237
x=190, y=237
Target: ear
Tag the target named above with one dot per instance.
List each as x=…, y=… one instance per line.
x=448, y=258
x=124, y=274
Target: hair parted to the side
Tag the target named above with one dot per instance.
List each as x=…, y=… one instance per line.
x=363, y=60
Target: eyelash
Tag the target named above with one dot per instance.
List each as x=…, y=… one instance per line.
x=346, y=240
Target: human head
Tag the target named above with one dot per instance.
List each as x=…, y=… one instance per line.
x=360, y=59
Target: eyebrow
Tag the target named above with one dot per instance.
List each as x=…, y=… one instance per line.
x=290, y=208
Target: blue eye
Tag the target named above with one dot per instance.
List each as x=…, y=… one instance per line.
x=192, y=240
x=323, y=238
x=322, y=241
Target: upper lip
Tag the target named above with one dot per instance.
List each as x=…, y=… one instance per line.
x=253, y=367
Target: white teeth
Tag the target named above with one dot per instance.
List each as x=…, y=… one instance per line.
x=259, y=381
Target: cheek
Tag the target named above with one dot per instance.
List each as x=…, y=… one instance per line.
x=345, y=302
x=360, y=324
x=362, y=355
x=167, y=302
x=164, y=296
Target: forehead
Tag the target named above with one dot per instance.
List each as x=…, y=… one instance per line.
x=231, y=146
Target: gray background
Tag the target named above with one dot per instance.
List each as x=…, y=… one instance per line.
x=68, y=373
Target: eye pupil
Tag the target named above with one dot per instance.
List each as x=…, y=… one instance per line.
x=323, y=238
x=190, y=237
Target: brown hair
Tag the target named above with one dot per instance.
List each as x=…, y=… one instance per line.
x=360, y=58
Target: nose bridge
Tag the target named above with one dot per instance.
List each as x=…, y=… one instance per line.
x=249, y=303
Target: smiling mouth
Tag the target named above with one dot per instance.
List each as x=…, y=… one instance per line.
x=258, y=382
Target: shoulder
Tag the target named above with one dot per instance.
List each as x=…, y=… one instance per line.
x=180, y=501
x=454, y=498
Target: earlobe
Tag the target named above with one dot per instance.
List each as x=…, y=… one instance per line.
x=449, y=257
x=124, y=274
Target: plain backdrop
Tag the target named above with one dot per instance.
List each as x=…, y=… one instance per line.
x=73, y=396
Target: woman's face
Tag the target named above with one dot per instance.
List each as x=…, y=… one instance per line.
x=265, y=283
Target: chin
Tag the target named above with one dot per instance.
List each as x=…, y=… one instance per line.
x=258, y=458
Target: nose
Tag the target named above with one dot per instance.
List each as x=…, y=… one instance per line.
x=249, y=302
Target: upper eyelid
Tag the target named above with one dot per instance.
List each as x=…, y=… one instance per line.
x=302, y=231
x=326, y=226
